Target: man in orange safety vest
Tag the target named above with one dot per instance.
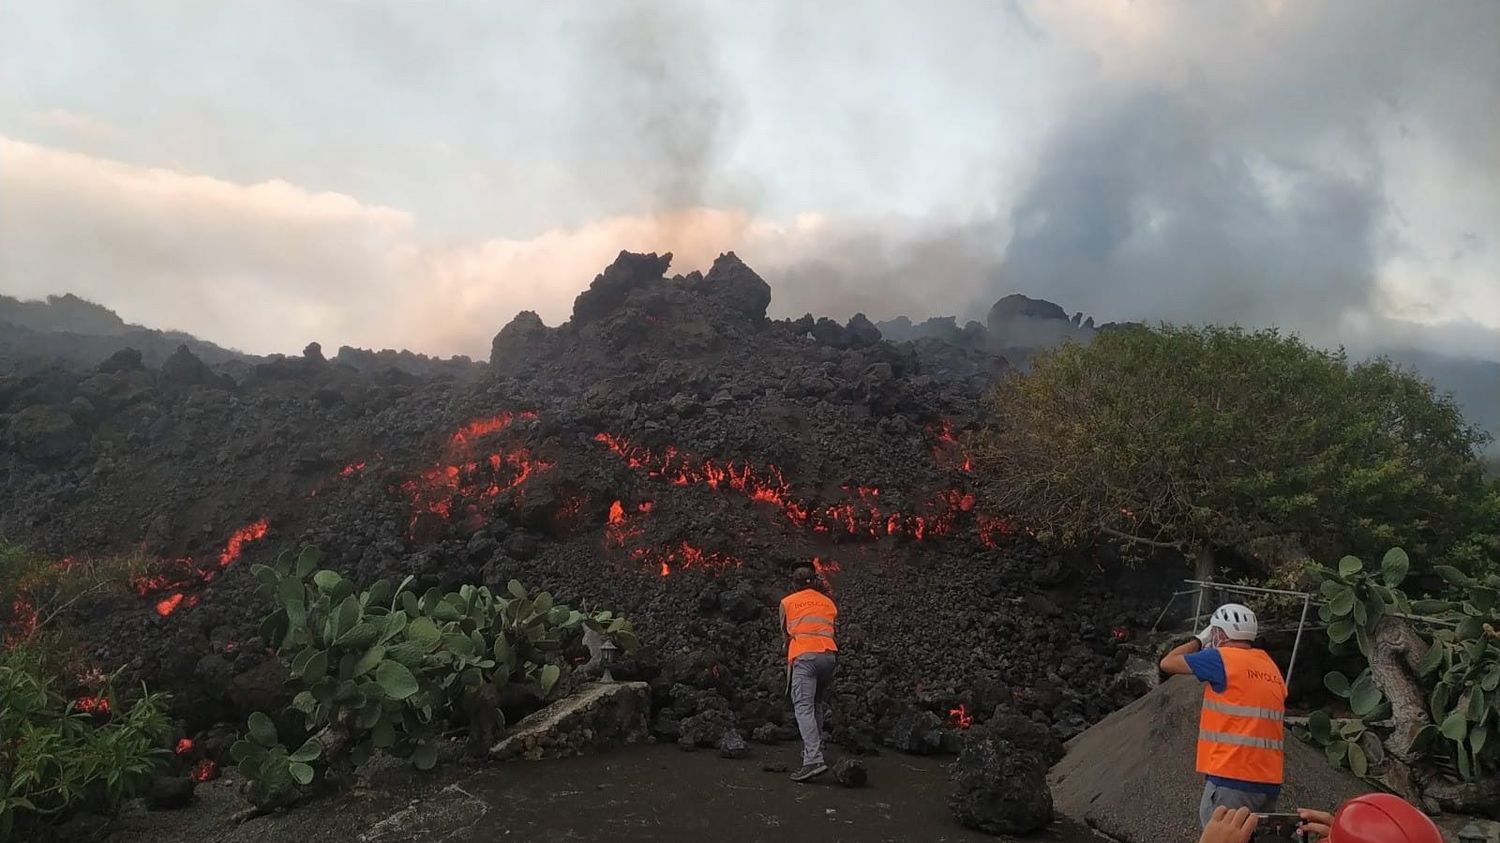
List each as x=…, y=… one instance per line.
x=808, y=617
x=1240, y=729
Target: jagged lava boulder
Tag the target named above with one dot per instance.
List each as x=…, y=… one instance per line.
x=736, y=286
x=999, y=788
x=610, y=288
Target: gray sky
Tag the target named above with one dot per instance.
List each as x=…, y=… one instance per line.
x=404, y=174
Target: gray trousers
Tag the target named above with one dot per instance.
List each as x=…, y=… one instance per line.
x=811, y=675
x=1215, y=795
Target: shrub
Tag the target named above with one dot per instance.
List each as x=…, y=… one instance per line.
x=62, y=749
x=1214, y=438
x=59, y=756
x=386, y=669
x=39, y=590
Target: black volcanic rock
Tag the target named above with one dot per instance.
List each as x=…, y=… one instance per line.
x=628, y=273
x=169, y=793
x=736, y=447
x=184, y=368
x=737, y=286
x=861, y=332
x=998, y=789
x=44, y=433
x=521, y=338
x=829, y=332
x=124, y=360
x=1017, y=306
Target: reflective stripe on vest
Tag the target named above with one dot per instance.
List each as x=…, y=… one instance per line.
x=1242, y=710
x=1241, y=740
x=1240, y=731
x=810, y=618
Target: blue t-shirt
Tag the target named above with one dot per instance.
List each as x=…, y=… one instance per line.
x=1208, y=666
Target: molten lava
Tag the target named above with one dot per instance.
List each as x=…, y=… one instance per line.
x=187, y=573
x=949, y=451
x=463, y=479
x=236, y=545
x=352, y=469
x=861, y=517
x=615, y=529
x=478, y=428
x=204, y=771
x=992, y=529
x=167, y=606
x=23, y=621
x=959, y=717
x=824, y=567
x=184, y=746
x=685, y=556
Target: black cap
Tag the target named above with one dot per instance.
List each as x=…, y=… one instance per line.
x=803, y=575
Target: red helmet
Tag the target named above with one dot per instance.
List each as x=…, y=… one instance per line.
x=1382, y=818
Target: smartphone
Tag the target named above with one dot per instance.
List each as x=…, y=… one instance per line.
x=1279, y=826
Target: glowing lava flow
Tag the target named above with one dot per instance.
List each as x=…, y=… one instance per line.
x=186, y=572
x=169, y=605
x=824, y=567
x=960, y=717
x=992, y=529
x=949, y=451
x=205, y=770
x=24, y=619
x=620, y=528
x=236, y=545
x=863, y=516
x=22, y=623
x=463, y=479
x=478, y=428
x=622, y=525
x=685, y=556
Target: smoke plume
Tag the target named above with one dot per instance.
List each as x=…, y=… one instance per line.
x=373, y=174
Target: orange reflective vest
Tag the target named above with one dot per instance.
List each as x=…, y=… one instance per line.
x=1240, y=731
x=810, y=616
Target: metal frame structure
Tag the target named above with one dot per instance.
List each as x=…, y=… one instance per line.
x=1201, y=587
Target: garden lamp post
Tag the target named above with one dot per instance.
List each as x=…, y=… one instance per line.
x=607, y=652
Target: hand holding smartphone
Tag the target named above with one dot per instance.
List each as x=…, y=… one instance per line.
x=1280, y=827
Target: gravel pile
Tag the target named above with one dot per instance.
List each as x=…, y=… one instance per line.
x=1131, y=776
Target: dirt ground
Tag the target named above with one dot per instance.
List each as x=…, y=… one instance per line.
x=646, y=793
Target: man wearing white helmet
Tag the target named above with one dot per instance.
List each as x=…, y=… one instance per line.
x=1240, y=729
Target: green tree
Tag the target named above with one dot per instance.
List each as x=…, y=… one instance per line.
x=1428, y=697
x=1217, y=438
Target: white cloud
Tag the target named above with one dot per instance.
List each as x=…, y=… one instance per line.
x=268, y=267
x=76, y=126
